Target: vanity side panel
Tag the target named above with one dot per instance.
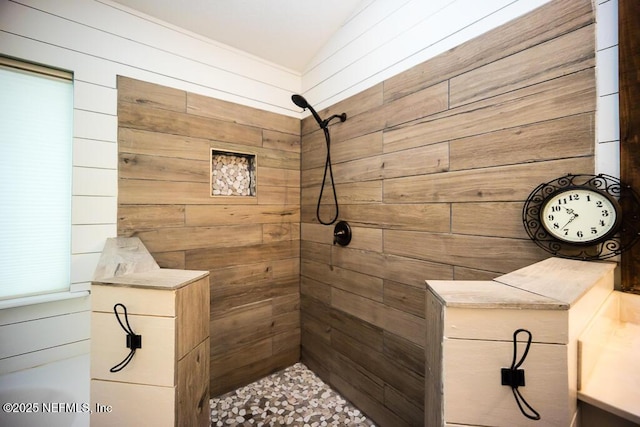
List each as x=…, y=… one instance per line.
x=193, y=387
x=434, y=399
x=192, y=308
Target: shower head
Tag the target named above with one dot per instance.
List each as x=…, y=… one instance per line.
x=324, y=125
x=302, y=103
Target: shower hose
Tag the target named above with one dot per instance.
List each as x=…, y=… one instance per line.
x=327, y=167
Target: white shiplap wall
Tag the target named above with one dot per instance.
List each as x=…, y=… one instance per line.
x=98, y=40
x=608, y=121
x=390, y=36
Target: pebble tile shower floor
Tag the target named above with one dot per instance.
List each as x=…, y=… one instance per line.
x=292, y=397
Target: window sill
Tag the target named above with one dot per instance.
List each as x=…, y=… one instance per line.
x=39, y=299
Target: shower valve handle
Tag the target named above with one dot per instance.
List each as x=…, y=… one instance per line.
x=342, y=233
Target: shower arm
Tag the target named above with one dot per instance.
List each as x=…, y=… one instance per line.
x=302, y=103
x=325, y=123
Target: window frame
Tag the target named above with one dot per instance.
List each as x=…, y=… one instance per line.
x=17, y=299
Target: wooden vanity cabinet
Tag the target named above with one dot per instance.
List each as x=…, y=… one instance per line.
x=470, y=328
x=167, y=380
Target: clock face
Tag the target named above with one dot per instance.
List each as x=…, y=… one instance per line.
x=580, y=216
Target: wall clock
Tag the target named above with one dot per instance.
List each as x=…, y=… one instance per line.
x=580, y=216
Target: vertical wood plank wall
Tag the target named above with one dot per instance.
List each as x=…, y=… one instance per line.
x=432, y=167
x=250, y=245
x=629, y=53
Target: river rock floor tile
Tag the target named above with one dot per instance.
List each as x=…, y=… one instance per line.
x=292, y=397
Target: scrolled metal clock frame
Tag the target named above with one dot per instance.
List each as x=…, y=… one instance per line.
x=627, y=232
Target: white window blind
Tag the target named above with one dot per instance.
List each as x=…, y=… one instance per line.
x=36, y=128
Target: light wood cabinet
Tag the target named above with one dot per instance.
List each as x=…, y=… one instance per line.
x=470, y=329
x=167, y=380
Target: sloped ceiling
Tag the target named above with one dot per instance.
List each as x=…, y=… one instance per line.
x=285, y=32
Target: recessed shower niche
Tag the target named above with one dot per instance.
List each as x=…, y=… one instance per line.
x=232, y=174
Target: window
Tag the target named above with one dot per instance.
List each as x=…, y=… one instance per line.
x=36, y=125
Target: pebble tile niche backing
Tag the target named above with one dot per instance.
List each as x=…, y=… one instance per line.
x=232, y=174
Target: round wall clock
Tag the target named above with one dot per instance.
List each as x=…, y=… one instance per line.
x=580, y=216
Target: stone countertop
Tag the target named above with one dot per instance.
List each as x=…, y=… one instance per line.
x=552, y=284
x=125, y=261
x=490, y=294
x=162, y=278
x=565, y=280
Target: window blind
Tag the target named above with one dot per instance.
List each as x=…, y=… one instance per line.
x=36, y=140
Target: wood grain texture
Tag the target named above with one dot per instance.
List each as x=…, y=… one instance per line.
x=629, y=63
x=199, y=105
x=415, y=216
x=192, y=323
x=487, y=184
x=407, y=382
x=563, y=96
x=140, y=166
x=192, y=398
x=467, y=217
x=573, y=52
x=208, y=215
x=560, y=138
x=543, y=24
x=433, y=355
x=368, y=404
x=250, y=245
x=439, y=159
x=175, y=123
x=479, y=252
x=144, y=93
x=140, y=217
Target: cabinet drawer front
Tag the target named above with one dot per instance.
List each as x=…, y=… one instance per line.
x=132, y=404
x=473, y=393
x=151, y=302
x=153, y=364
x=546, y=326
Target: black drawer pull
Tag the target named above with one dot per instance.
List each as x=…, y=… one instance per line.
x=514, y=377
x=133, y=341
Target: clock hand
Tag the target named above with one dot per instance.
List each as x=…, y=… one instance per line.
x=569, y=222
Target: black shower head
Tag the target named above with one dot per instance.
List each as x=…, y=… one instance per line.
x=302, y=103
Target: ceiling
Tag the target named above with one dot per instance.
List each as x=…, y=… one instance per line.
x=285, y=32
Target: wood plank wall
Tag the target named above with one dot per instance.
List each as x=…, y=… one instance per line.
x=629, y=54
x=251, y=245
x=432, y=168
